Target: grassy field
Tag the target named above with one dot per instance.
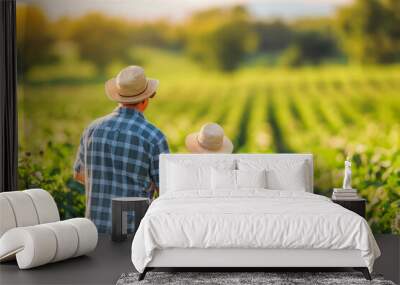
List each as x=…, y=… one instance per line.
x=332, y=112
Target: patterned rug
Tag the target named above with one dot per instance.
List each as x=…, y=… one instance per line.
x=243, y=278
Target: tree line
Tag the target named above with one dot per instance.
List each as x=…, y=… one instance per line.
x=365, y=32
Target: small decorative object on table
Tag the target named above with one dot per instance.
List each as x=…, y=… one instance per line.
x=120, y=208
x=345, y=193
x=347, y=175
x=347, y=197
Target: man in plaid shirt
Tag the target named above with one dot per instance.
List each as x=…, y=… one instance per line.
x=119, y=153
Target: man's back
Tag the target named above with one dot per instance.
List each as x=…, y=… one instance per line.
x=119, y=155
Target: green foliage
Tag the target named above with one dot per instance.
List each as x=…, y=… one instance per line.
x=292, y=57
x=53, y=177
x=101, y=40
x=35, y=39
x=377, y=175
x=220, y=38
x=159, y=34
x=370, y=30
x=273, y=36
x=310, y=48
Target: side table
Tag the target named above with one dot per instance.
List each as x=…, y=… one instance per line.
x=356, y=205
x=120, y=208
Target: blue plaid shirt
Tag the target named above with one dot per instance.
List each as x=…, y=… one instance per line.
x=119, y=155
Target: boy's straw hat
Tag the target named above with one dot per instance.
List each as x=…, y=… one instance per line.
x=210, y=139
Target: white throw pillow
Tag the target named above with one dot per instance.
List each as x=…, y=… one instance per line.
x=223, y=179
x=182, y=177
x=194, y=173
x=281, y=174
x=295, y=180
x=251, y=178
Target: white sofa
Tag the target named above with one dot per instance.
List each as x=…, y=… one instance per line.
x=31, y=231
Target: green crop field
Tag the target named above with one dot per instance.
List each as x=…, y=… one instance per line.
x=331, y=112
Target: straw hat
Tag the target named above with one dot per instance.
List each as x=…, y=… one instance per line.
x=210, y=139
x=131, y=86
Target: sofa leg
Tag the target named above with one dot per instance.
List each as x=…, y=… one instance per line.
x=364, y=271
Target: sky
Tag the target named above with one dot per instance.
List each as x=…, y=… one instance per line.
x=177, y=10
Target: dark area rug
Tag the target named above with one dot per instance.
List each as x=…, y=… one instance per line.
x=232, y=278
